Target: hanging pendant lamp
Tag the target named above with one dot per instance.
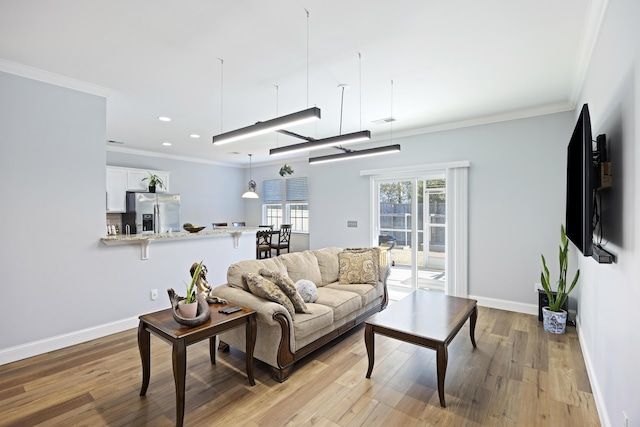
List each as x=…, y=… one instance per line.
x=251, y=187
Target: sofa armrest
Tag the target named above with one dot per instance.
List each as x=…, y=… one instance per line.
x=265, y=309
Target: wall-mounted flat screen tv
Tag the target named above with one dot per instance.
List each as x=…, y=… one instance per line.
x=580, y=185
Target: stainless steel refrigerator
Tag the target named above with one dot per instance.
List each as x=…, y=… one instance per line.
x=149, y=213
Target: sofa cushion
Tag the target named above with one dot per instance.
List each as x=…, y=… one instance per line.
x=359, y=266
x=307, y=290
x=265, y=288
x=367, y=293
x=328, y=264
x=236, y=271
x=288, y=287
x=320, y=316
x=302, y=265
x=341, y=302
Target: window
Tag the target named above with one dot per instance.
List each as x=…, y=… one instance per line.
x=292, y=209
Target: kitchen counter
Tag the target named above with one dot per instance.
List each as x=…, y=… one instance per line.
x=144, y=239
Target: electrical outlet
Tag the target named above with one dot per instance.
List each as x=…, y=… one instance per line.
x=154, y=294
x=352, y=223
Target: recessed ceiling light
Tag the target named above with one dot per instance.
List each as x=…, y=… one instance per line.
x=194, y=136
x=166, y=144
x=164, y=119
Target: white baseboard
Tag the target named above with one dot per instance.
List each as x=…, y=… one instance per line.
x=518, y=307
x=593, y=379
x=46, y=345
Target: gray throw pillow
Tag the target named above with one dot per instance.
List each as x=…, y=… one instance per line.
x=288, y=287
x=264, y=288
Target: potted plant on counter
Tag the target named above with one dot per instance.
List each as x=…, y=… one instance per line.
x=554, y=317
x=154, y=180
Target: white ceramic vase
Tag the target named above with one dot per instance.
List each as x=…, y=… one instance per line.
x=554, y=321
x=188, y=311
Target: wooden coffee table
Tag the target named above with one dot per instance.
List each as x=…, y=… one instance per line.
x=425, y=318
x=162, y=324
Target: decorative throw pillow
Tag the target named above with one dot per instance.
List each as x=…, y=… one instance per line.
x=307, y=290
x=265, y=288
x=288, y=287
x=359, y=265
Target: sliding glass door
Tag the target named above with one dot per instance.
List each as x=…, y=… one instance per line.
x=411, y=223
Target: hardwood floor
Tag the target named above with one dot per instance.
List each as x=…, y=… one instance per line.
x=518, y=376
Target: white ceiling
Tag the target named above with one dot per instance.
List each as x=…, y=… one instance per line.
x=452, y=63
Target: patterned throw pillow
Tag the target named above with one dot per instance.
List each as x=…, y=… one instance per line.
x=265, y=288
x=288, y=287
x=307, y=290
x=359, y=266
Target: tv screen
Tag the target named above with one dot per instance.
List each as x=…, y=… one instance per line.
x=580, y=185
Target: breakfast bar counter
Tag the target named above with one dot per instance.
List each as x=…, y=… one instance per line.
x=144, y=239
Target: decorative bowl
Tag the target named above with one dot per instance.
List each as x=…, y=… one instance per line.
x=193, y=229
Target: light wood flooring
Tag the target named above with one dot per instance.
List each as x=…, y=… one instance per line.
x=518, y=376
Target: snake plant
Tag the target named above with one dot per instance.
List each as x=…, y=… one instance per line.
x=191, y=288
x=557, y=301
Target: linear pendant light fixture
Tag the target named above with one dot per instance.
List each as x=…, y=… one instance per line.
x=314, y=144
x=351, y=154
x=260, y=128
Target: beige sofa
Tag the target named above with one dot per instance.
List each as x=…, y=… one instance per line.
x=283, y=339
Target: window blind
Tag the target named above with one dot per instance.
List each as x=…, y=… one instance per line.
x=272, y=190
x=297, y=189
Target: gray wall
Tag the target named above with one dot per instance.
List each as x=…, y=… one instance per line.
x=60, y=284
x=609, y=294
x=516, y=197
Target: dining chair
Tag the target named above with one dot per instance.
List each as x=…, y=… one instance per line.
x=219, y=224
x=284, y=237
x=263, y=244
x=239, y=224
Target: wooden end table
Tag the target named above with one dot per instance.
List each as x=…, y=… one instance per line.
x=425, y=318
x=162, y=325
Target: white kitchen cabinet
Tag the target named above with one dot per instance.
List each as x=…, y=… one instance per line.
x=120, y=180
x=116, y=189
x=135, y=180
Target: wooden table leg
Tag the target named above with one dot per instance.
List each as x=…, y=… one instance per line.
x=442, y=357
x=144, y=346
x=472, y=325
x=251, y=343
x=212, y=349
x=179, y=357
x=369, y=342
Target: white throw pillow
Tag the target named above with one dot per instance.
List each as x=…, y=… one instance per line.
x=307, y=290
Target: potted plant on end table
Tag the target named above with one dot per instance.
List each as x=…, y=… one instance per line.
x=154, y=180
x=188, y=307
x=554, y=317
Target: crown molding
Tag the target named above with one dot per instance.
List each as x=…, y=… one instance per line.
x=54, y=79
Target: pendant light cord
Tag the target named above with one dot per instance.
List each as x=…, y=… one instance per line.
x=341, y=109
x=360, y=84
x=391, y=123
x=307, y=57
x=221, y=90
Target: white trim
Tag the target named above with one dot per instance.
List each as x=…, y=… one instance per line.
x=415, y=168
x=593, y=379
x=501, y=304
x=46, y=345
x=54, y=79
